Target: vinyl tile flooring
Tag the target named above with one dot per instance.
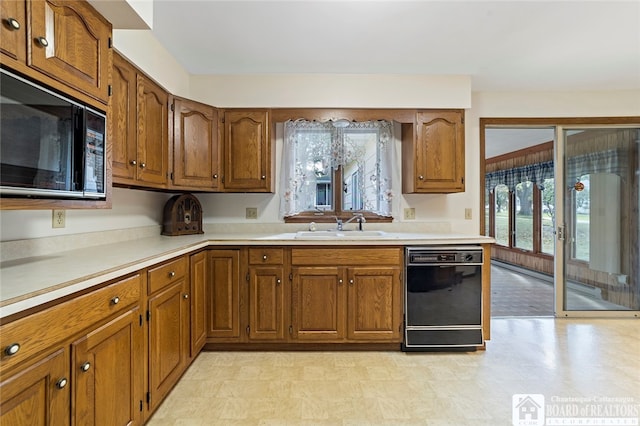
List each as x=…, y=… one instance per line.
x=593, y=359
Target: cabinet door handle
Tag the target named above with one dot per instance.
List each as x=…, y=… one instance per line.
x=263, y=177
x=85, y=367
x=340, y=281
x=215, y=176
x=12, y=349
x=13, y=23
x=143, y=165
x=350, y=282
x=278, y=281
x=43, y=41
x=115, y=300
x=60, y=384
x=133, y=162
x=421, y=177
x=185, y=296
x=172, y=274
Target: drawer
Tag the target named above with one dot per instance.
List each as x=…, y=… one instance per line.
x=266, y=256
x=364, y=255
x=161, y=276
x=44, y=329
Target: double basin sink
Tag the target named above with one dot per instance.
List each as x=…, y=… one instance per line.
x=333, y=235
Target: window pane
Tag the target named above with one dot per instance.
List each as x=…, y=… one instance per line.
x=313, y=170
x=360, y=173
x=581, y=204
x=547, y=215
x=524, y=216
x=487, y=211
x=501, y=194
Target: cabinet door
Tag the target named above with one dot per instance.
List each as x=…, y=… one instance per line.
x=39, y=394
x=223, y=294
x=107, y=372
x=266, y=303
x=195, y=145
x=168, y=339
x=374, y=304
x=122, y=121
x=153, y=139
x=318, y=297
x=70, y=43
x=247, y=151
x=13, y=31
x=198, y=295
x=439, y=152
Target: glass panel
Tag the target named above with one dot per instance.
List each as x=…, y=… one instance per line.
x=502, y=215
x=524, y=216
x=487, y=212
x=360, y=173
x=547, y=215
x=313, y=169
x=601, y=263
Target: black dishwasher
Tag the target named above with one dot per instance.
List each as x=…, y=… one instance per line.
x=443, y=298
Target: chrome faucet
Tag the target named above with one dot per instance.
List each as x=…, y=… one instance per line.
x=359, y=217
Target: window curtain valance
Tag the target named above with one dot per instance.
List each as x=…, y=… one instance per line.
x=331, y=147
x=536, y=173
x=611, y=161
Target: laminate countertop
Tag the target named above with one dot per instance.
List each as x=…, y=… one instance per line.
x=28, y=282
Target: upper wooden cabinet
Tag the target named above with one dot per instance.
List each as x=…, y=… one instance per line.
x=248, y=156
x=139, y=126
x=63, y=43
x=433, y=153
x=195, y=146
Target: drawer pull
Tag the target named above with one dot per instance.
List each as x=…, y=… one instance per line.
x=172, y=274
x=85, y=367
x=60, y=384
x=115, y=300
x=12, y=349
x=264, y=257
x=185, y=296
x=13, y=23
x=43, y=41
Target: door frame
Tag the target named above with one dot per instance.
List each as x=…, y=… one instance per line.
x=559, y=124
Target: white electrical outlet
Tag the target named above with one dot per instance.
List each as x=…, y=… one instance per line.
x=58, y=219
x=467, y=214
x=251, y=213
x=409, y=213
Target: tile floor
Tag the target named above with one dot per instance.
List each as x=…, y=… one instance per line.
x=572, y=358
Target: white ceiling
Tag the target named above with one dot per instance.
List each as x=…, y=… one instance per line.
x=502, y=45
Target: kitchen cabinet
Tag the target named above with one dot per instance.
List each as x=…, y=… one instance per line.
x=198, y=304
x=105, y=328
x=433, y=152
x=168, y=318
x=140, y=128
x=248, y=156
x=266, y=294
x=39, y=394
x=195, y=146
x=346, y=295
x=223, y=296
x=61, y=43
x=107, y=373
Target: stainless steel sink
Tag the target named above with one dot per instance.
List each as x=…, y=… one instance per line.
x=330, y=235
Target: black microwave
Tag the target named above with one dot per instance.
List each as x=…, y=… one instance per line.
x=50, y=146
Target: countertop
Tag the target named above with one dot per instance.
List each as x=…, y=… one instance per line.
x=31, y=281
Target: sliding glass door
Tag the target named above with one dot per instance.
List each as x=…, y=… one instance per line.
x=597, y=258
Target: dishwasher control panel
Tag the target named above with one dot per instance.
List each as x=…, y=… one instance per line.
x=443, y=255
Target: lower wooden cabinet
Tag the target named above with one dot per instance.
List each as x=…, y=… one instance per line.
x=39, y=394
x=198, y=305
x=107, y=373
x=168, y=318
x=223, y=296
